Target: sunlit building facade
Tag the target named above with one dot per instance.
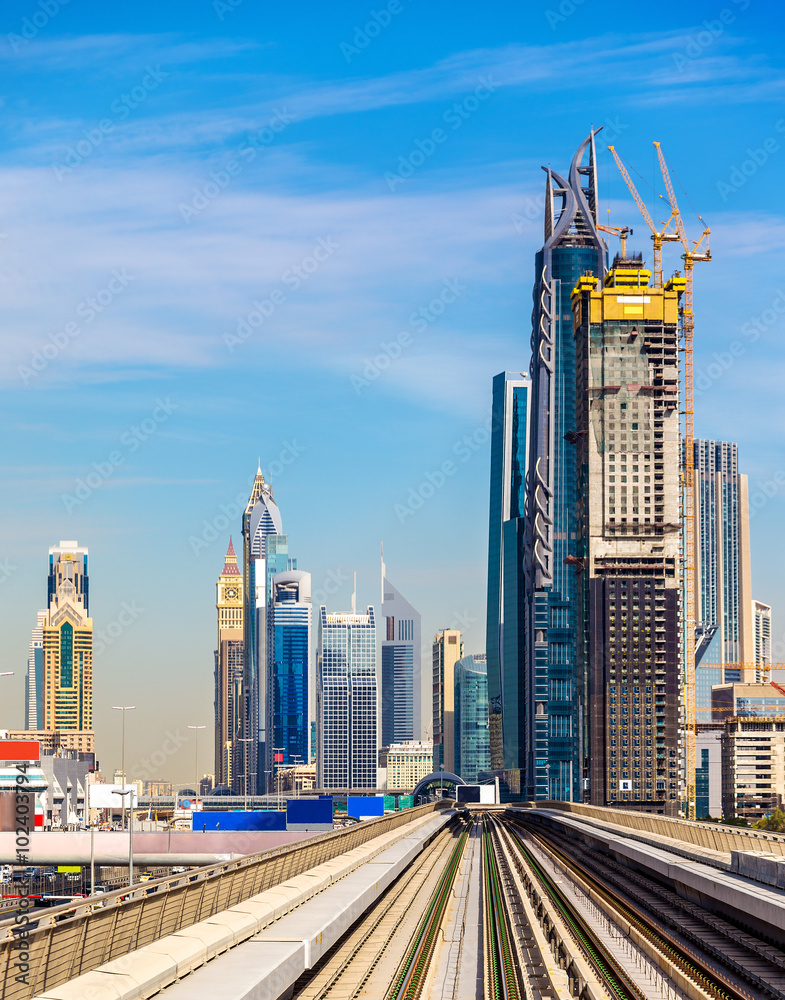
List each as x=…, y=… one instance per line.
x=229, y=661
x=472, y=737
x=291, y=667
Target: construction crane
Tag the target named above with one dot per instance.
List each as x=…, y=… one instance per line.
x=622, y=232
x=659, y=236
x=692, y=254
x=763, y=668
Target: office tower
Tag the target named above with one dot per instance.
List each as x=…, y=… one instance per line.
x=265, y=553
x=447, y=650
x=346, y=700
x=291, y=667
x=408, y=763
x=743, y=700
x=34, y=681
x=761, y=624
x=628, y=563
x=401, y=695
x=229, y=659
x=554, y=695
x=472, y=738
x=67, y=643
x=723, y=600
x=504, y=632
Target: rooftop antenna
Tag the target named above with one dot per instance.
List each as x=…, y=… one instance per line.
x=354, y=595
x=384, y=571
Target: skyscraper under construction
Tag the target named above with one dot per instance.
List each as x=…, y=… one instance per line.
x=628, y=525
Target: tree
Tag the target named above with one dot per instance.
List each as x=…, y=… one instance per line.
x=775, y=822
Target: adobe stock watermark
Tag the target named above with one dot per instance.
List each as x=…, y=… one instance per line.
x=419, y=320
x=224, y=7
x=146, y=768
x=707, y=35
x=219, y=180
x=756, y=157
x=292, y=278
x=121, y=108
x=463, y=450
x=334, y=581
x=105, y=637
x=231, y=512
x=762, y=492
x=454, y=117
x=751, y=331
x=7, y=570
x=365, y=33
x=87, y=311
x=32, y=24
x=561, y=13
x=131, y=440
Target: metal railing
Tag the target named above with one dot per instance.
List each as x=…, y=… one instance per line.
x=70, y=940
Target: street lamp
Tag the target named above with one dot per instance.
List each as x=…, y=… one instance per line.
x=123, y=709
x=245, y=739
x=6, y=673
x=130, y=792
x=196, y=760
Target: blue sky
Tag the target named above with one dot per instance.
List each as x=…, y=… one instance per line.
x=171, y=175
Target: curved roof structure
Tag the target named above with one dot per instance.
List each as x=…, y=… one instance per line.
x=438, y=777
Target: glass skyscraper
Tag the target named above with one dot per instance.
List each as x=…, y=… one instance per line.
x=504, y=634
x=346, y=701
x=401, y=695
x=34, y=682
x=552, y=753
x=723, y=598
x=472, y=740
x=291, y=663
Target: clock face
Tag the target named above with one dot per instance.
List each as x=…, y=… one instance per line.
x=230, y=593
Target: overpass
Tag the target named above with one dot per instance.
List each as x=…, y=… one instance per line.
x=546, y=900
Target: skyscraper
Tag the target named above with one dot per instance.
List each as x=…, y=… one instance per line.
x=505, y=626
x=67, y=643
x=553, y=749
x=291, y=666
x=472, y=739
x=34, y=682
x=447, y=650
x=265, y=553
x=723, y=598
x=761, y=616
x=229, y=659
x=401, y=695
x=628, y=559
x=346, y=700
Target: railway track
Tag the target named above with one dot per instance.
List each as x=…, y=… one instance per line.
x=502, y=972
x=715, y=976
x=368, y=961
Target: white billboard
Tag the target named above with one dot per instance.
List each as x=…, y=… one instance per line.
x=108, y=796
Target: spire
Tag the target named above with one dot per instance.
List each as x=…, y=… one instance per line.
x=258, y=488
x=230, y=562
x=384, y=571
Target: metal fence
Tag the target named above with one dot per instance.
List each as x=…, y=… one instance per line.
x=67, y=941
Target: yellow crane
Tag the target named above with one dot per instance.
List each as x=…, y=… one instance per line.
x=622, y=232
x=659, y=236
x=691, y=255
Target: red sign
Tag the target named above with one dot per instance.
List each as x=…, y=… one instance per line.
x=278, y=758
x=20, y=750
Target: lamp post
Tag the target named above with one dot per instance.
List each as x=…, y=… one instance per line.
x=123, y=709
x=196, y=760
x=130, y=791
x=245, y=739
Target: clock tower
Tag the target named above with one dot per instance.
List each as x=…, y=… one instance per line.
x=229, y=671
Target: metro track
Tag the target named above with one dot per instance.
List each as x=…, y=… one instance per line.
x=693, y=943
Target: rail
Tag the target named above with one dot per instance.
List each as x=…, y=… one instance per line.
x=67, y=941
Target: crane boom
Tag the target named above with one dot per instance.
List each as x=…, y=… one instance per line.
x=658, y=236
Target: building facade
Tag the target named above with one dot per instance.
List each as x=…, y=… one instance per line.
x=291, y=667
x=723, y=599
x=472, y=735
x=505, y=624
x=628, y=563
x=759, y=700
x=265, y=553
x=447, y=650
x=229, y=661
x=753, y=767
x=761, y=625
x=346, y=702
x=407, y=763
x=553, y=750
x=708, y=770
x=67, y=643
x=401, y=693
x=34, y=681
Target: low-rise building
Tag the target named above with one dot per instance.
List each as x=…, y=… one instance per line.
x=408, y=762
x=729, y=701
x=753, y=767
x=52, y=740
